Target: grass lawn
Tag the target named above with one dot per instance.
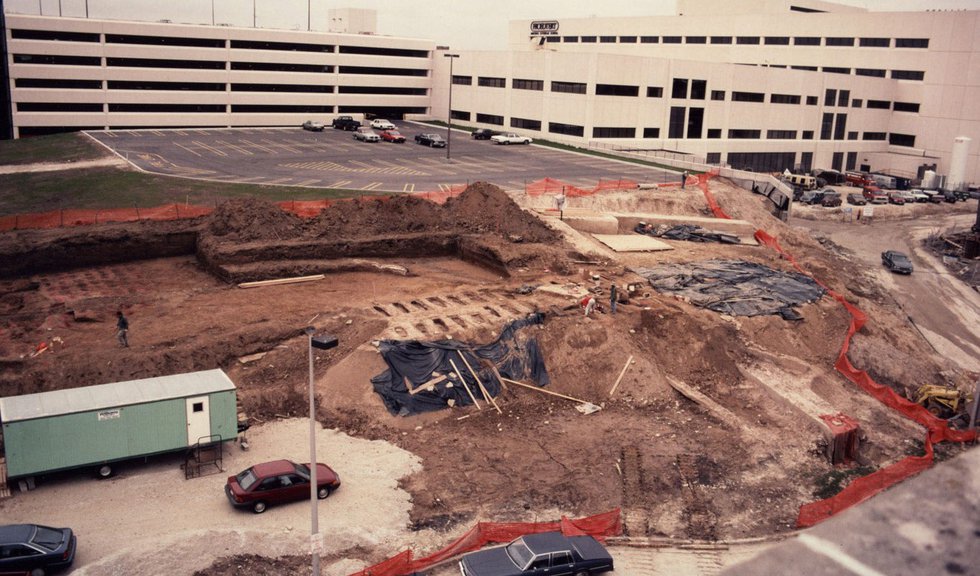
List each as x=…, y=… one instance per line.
x=72, y=147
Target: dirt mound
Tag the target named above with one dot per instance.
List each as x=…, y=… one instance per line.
x=365, y=217
x=250, y=219
x=485, y=208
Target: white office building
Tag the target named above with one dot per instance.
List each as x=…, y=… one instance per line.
x=759, y=84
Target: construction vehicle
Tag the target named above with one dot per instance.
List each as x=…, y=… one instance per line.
x=942, y=401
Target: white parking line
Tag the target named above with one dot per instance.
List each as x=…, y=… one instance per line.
x=211, y=149
x=372, y=186
x=408, y=188
x=179, y=145
x=259, y=146
x=340, y=184
x=238, y=149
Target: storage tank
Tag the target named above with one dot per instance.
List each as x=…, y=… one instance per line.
x=957, y=163
x=929, y=180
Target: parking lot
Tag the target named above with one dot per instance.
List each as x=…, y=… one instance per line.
x=334, y=159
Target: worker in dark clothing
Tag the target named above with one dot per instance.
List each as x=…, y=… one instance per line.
x=612, y=298
x=122, y=329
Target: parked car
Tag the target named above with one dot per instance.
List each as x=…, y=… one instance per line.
x=550, y=553
x=935, y=197
x=510, y=138
x=874, y=195
x=430, y=140
x=313, y=126
x=483, y=134
x=830, y=199
x=896, y=198
x=812, y=197
x=345, y=123
x=917, y=195
x=34, y=549
x=278, y=482
x=856, y=199
x=393, y=136
x=896, y=261
x=365, y=134
x=382, y=124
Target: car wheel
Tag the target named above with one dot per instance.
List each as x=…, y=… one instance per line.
x=37, y=572
x=259, y=507
x=105, y=471
x=323, y=492
x=582, y=573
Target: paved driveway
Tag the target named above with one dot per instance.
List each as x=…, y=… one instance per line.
x=333, y=159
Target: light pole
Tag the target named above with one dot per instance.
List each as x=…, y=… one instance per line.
x=449, y=116
x=322, y=342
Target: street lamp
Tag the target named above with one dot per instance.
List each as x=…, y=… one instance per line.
x=449, y=116
x=322, y=342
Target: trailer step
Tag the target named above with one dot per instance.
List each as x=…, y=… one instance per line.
x=4, y=488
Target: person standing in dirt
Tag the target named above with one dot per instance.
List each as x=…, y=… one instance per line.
x=684, y=179
x=612, y=298
x=122, y=329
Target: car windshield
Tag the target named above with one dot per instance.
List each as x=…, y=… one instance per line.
x=48, y=538
x=247, y=479
x=519, y=553
x=900, y=259
x=303, y=471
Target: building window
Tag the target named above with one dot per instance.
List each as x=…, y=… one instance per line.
x=807, y=135
x=566, y=129
x=857, y=103
x=552, y=39
x=491, y=82
x=525, y=124
x=695, y=123
x=879, y=104
x=901, y=140
x=460, y=115
x=838, y=41
x=607, y=39
x=717, y=94
x=826, y=126
x=843, y=97
x=840, y=126
x=378, y=71
x=911, y=42
x=777, y=40
x=811, y=100
x=462, y=80
x=182, y=108
x=54, y=35
x=721, y=39
x=528, y=84
x=651, y=132
x=905, y=107
x=908, y=75
x=835, y=70
x=167, y=41
x=852, y=158
x=780, y=134
x=570, y=39
x=830, y=97
x=679, y=88
x=59, y=107
x=627, y=39
x=372, y=50
x=806, y=41
x=616, y=90
x=568, y=87
x=655, y=92
x=676, y=127
x=62, y=84
x=744, y=134
x=874, y=72
x=875, y=42
x=696, y=39
x=58, y=60
x=714, y=134
x=852, y=135
x=599, y=132
x=489, y=119
x=588, y=39
x=807, y=68
x=672, y=39
x=713, y=157
x=394, y=90
x=784, y=99
x=289, y=47
x=649, y=39
x=762, y=161
x=151, y=85
x=748, y=97
x=877, y=136
x=747, y=40
x=698, y=89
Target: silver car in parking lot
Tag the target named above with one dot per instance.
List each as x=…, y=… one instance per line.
x=365, y=134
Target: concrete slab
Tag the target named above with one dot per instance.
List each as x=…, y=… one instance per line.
x=632, y=242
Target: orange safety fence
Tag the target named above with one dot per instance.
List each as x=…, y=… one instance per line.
x=63, y=218
x=599, y=526
x=440, y=196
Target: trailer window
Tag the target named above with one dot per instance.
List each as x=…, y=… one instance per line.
x=198, y=406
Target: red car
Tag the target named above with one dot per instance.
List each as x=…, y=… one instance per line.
x=278, y=482
x=393, y=136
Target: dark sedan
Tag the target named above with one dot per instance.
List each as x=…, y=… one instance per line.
x=483, y=134
x=856, y=200
x=550, y=553
x=896, y=261
x=33, y=549
x=430, y=140
x=276, y=483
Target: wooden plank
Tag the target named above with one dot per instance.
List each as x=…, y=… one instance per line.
x=503, y=385
x=483, y=389
x=621, y=374
x=543, y=391
x=425, y=385
x=465, y=385
x=277, y=281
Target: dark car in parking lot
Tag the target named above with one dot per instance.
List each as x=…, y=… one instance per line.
x=483, y=134
x=856, y=199
x=278, y=482
x=896, y=261
x=430, y=140
x=548, y=553
x=34, y=549
x=830, y=199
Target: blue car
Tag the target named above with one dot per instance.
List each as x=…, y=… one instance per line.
x=29, y=548
x=549, y=553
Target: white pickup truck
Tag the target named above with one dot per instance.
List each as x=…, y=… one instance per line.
x=510, y=138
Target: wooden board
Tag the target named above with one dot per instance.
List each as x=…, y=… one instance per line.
x=632, y=242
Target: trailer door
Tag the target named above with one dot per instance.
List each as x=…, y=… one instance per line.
x=198, y=419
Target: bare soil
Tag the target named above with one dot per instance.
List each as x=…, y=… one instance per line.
x=677, y=468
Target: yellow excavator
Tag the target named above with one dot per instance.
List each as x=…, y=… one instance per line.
x=942, y=401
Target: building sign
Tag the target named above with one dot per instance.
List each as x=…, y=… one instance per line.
x=110, y=414
x=544, y=27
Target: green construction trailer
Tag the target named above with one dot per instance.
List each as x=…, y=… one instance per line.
x=97, y=426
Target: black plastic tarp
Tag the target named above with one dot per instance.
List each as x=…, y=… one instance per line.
x=414, y=362
x=689, y=232
x=735, y=287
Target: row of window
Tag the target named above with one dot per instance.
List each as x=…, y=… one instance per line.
x=691, y=119
x=63, y=36
x=213, y=65
x=748, y=40
x=390, y=111
x=58, y=84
